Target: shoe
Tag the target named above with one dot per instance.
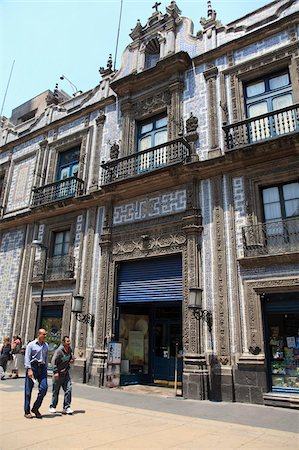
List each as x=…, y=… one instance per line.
x=52, y=410
x=3, y=377
x=68, y=411
x=37, y=413
x=28, y=416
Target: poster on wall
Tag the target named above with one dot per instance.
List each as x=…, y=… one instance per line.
x=114, y=353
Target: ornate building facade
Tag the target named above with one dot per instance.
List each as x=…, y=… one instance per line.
x=174, y=180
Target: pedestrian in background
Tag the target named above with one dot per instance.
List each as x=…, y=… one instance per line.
x=62, y=357
x=36, y=362
x=17, y=357
x=5, y=356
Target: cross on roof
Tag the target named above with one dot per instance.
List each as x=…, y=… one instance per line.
x=156, y=6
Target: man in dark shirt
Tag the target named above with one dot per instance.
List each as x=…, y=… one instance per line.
x=61, y=377
x=36, y=361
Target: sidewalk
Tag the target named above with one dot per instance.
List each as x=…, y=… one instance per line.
x=120, y=419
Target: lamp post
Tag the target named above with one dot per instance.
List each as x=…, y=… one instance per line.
x=38, y=244
x=195, y=304
x=77, y=310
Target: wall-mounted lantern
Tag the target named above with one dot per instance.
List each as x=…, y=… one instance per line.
x=195, y=304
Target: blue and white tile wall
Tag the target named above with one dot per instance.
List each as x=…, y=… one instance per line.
x=150, y=207
x=21, y=184
x=95, y=273
x=79, y=230
x=261, y=47
x=71, y=127
x=10, y=259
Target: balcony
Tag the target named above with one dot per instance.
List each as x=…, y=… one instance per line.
x=262, y=128
x=167, y=154
x=57, y=191
x=58, y=268
x=271, y=238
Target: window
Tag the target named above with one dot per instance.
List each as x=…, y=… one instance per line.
x=152, y=133
x=61, y=243
x=68, y=166
x=264, y=96
x=281, y=202
x=68, y=163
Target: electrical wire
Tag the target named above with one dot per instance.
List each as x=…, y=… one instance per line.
x=117, y=39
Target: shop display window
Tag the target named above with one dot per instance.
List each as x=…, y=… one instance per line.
x=284, y=352
x=134, y=337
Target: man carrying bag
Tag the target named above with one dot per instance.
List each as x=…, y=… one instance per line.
x=61, y=378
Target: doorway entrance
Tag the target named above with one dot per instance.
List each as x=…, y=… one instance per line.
x=151, y=336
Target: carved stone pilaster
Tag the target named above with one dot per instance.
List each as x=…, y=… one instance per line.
x=192, y=135
x=221, y=303
x=99, y=358
x=127, y=128
x=100, y=121
x=175, y=114
x=211, y=78
x=85, y=283
x=41, y=163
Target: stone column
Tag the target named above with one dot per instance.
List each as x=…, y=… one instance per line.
x=100, y=121
x=211, y=78
x=39, y=173
x=97, y=371
x=176, y=87
x=127, y=129
x=195, y=374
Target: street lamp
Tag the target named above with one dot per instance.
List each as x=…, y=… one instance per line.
x=195, y=304
x=38, y=244
x=77, y=310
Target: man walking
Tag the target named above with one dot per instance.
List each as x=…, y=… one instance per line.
x=61, y=377
x=36, y=361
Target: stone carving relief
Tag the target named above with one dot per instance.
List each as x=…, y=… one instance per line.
x=151, y=104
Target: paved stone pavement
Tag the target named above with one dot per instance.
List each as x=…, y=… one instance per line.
x=142, y=418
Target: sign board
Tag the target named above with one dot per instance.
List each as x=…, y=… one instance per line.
x=114, y=353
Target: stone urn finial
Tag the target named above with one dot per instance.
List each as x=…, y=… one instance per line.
x=114, y=151
x=191, y=123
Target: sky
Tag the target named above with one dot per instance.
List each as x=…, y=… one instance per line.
x=44, y=39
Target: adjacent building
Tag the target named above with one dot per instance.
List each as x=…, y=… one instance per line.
x=166, y=200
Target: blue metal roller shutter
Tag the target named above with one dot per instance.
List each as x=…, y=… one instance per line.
x=150, y=280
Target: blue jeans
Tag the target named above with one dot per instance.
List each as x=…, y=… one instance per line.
x=40, y=374
x=65, y=382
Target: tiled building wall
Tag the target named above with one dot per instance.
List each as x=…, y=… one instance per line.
x=10, y=259
x=150, y=207
x=21, y=184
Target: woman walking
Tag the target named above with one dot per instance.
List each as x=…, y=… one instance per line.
x=5, y=356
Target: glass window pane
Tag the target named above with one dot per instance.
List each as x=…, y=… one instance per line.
x=57, y=250
x=65, y=173
x=145, y=143
x=270, y=195
x=257, y=109
x=255, y=89
x=75, y=169
x=161, y=122
x=160, y=137
x=291, y=191
x=292, y=208
x=146, y=128
x=272, y=211
x=58, y=237
x=282, y=101
x=279, y=81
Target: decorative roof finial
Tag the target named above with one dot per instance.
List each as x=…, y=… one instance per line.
x=210, y=10
x=156, y=6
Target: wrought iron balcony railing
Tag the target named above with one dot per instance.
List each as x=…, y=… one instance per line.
x=271, y=238
x=57, y=268
x=59, y=190
x=261, y=128
x=154, y=158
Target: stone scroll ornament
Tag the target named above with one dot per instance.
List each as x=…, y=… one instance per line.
x=114, y=151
